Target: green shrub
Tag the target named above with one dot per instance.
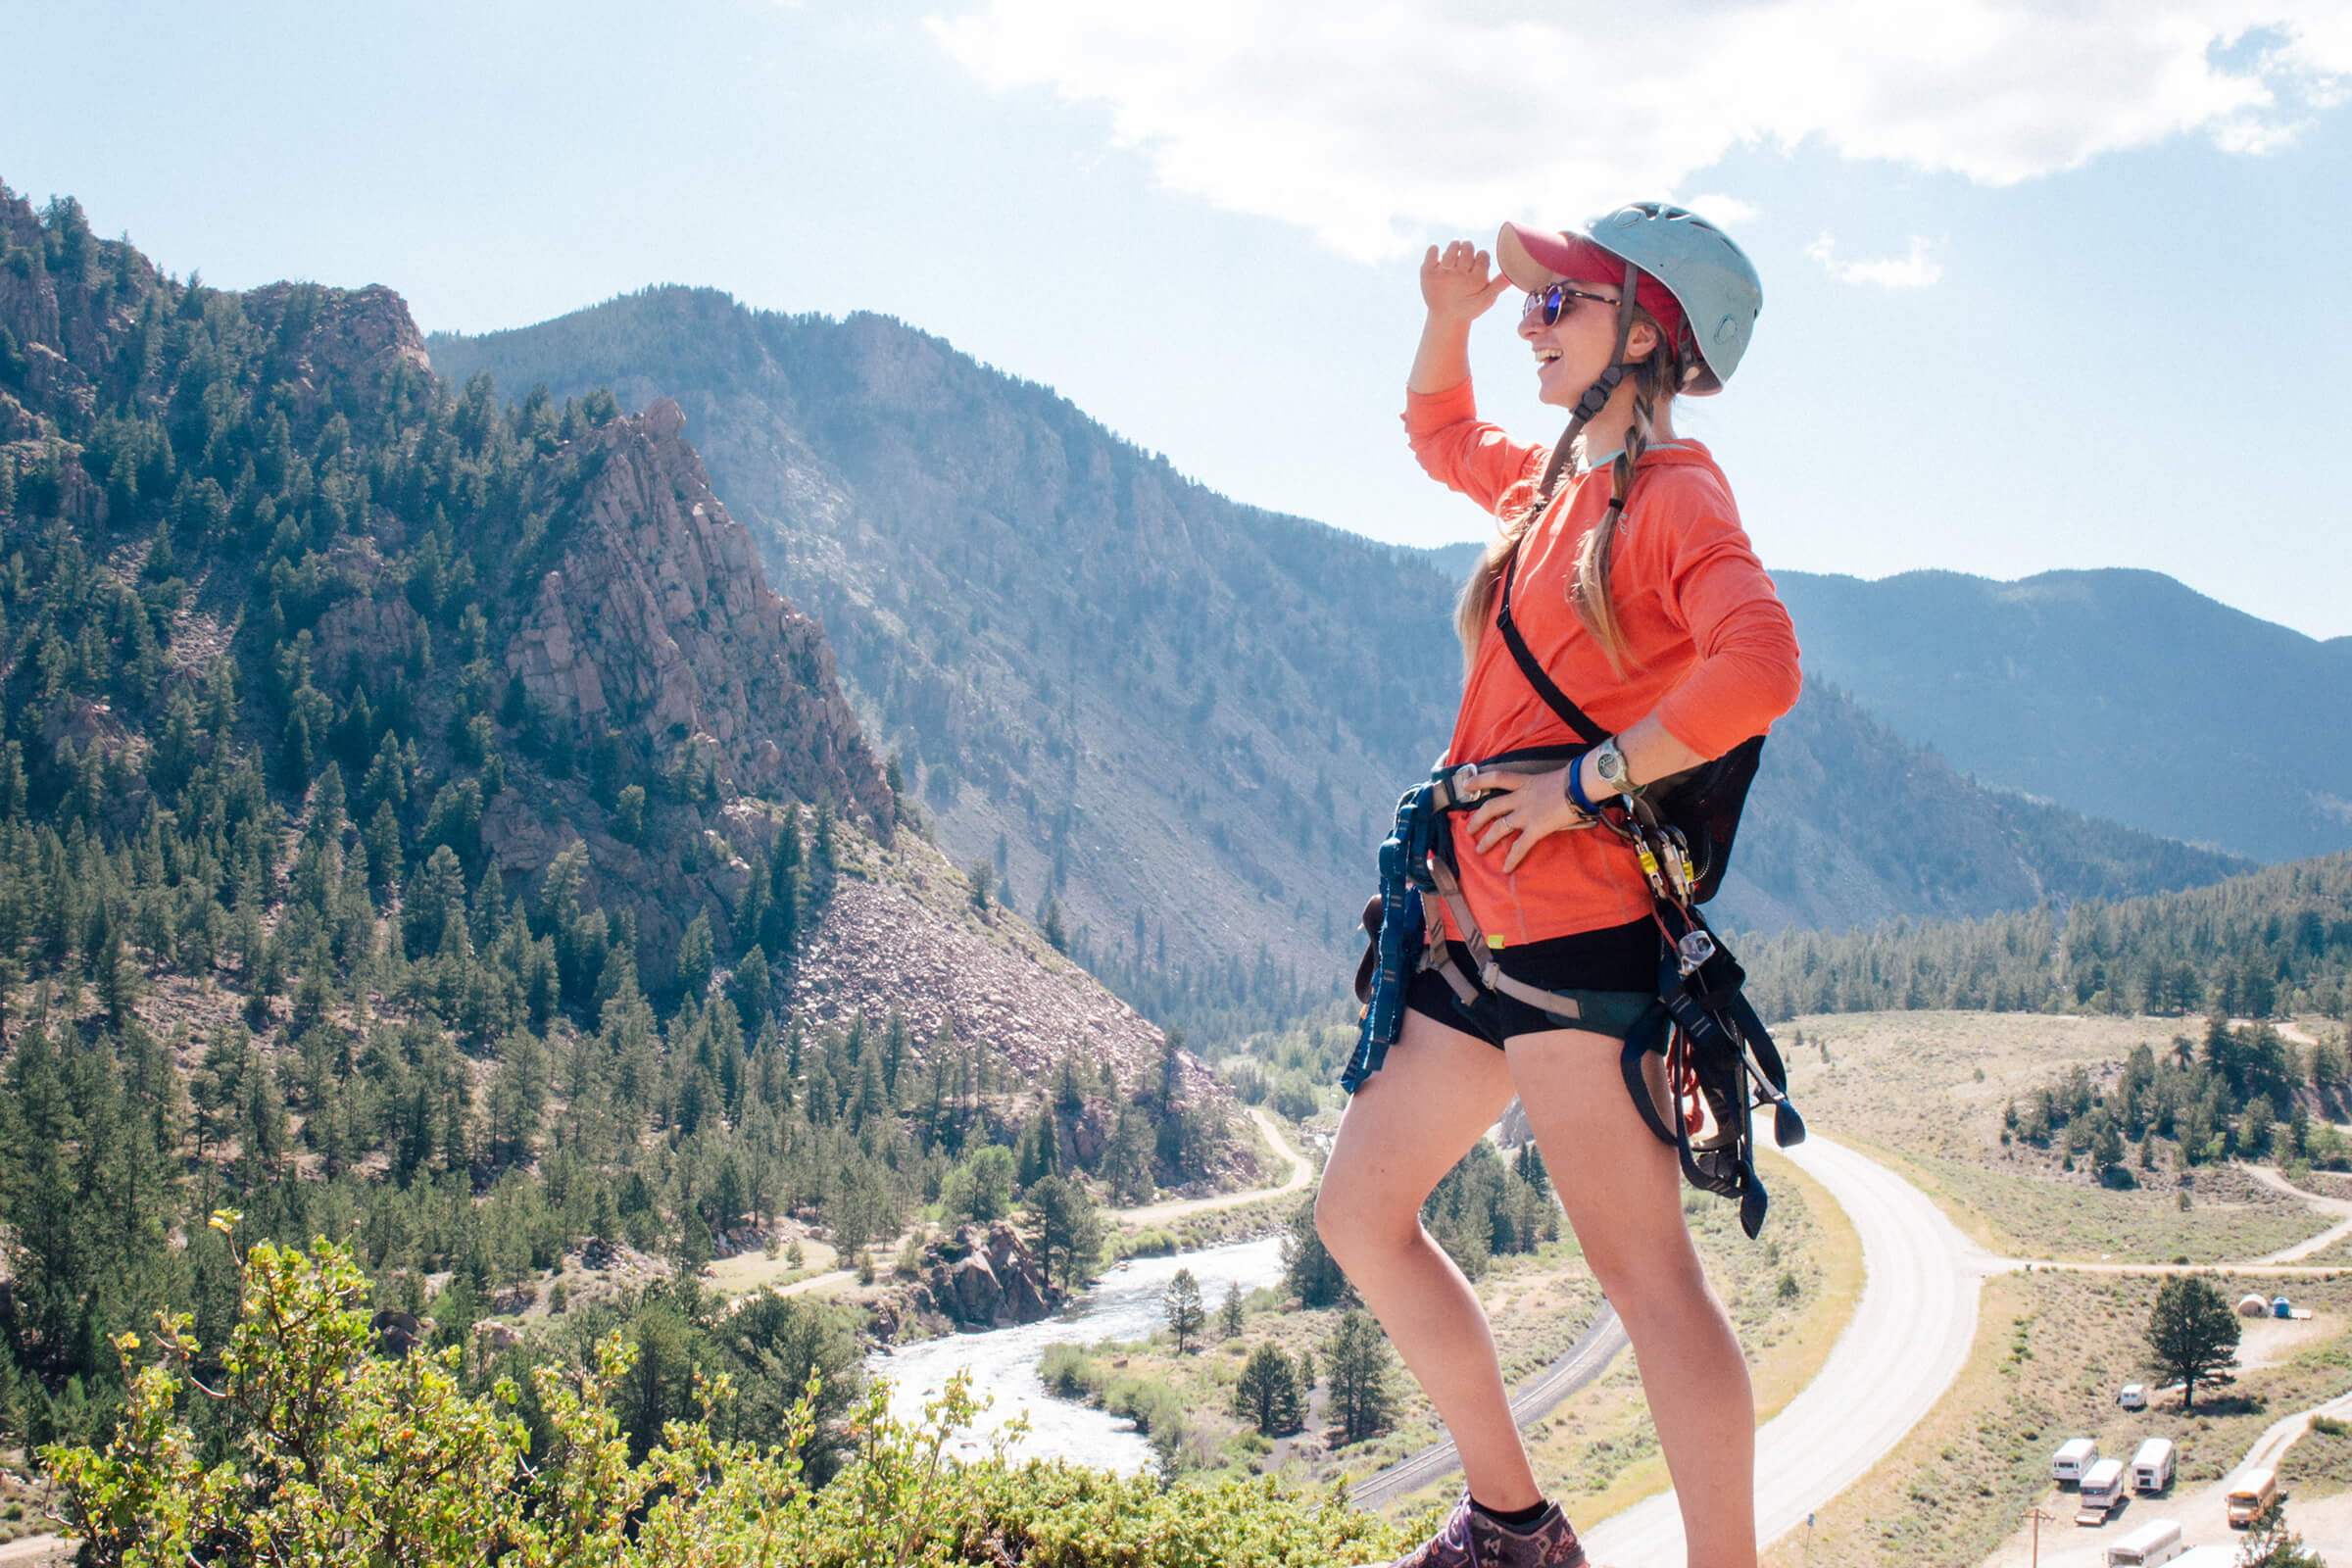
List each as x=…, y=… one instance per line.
x=340, y=1458
x=1150, y=1244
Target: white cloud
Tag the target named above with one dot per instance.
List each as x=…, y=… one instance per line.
x=1721, y=208
x=1916, y=269
x=1373, y=123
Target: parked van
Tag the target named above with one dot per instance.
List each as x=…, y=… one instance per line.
x=2102, y=1489
x=2152, y=1465
x=2073, y=1456
x=2252, y=1493
x=2156, y=1541
x=2132, y=1397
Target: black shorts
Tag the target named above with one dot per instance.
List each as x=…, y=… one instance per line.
x=1612, y=974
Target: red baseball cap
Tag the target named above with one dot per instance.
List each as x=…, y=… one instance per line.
x=1533, y=258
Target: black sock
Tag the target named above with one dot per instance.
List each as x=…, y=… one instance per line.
x=1514, y=1519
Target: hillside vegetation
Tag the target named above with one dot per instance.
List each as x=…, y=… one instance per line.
x=2275, y=941
x=342, y=1459
x=421, y=825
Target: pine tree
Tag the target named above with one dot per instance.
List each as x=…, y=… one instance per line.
x=1229, y=1312
x=1182, y=1307
x=2193, y=1334
x=1359, y=1364
x=1266, y=1394
x=1308, y=1269
x=1070, y=1230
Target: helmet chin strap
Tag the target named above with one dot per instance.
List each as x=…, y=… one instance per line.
x=1597, y=396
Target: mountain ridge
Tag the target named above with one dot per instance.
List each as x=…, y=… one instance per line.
x=886, y=475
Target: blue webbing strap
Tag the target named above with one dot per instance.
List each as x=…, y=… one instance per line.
x=1402, y=933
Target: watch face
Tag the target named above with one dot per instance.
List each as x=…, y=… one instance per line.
x=1611, y=764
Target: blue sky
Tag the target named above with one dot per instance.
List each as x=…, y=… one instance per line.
x=2038, y=293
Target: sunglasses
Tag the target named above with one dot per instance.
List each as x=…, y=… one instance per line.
x=1553, y=302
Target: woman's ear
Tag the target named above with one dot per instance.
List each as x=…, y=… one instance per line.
x=1641, y=342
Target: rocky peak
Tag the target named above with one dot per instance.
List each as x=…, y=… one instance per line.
x=659, y=615
x=337, y=346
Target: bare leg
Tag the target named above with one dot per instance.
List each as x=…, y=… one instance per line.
x=1438, y=1092
x=1623, y=1192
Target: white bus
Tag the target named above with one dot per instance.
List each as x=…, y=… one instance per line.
x=2156, y=1541
x=2073, y=1456
x=2152, y=1465
x=2102, y=1489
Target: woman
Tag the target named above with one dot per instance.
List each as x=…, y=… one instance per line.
x=1629, y=578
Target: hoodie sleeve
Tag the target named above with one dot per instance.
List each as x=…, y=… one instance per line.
x=1464, y=453
x=1714, y=588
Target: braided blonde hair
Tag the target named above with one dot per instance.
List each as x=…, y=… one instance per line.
x=1655, y=377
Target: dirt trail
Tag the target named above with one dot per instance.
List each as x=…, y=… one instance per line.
x=1302, y=1171
x=2339, y=1206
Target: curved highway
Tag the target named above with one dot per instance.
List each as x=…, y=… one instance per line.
x=1909, y=1337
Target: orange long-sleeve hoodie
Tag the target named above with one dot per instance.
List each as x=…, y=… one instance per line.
x=1708, y=647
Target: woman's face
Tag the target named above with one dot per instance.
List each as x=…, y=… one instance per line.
x=1572, y=351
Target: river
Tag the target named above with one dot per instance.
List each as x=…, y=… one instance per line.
x=1124, y=1304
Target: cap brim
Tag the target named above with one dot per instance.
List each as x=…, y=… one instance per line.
x=1531, y=258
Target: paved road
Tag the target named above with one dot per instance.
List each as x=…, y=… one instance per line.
x=1585, y=1361
x=1909, y=1337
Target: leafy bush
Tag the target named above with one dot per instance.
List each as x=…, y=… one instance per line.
x=343, y=1458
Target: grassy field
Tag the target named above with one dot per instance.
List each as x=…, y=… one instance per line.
x=2017, y=1210
x=1791, y=1293
x=2051, y=1351
x=1925, y=1092
x=2320, y=1464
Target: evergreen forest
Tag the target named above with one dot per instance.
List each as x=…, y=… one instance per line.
x=2266, y=942
x=257, y=955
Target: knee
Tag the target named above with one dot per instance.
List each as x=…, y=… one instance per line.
x=1649, y=1275
x=1351, y=1228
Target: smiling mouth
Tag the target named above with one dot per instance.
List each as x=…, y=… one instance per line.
x=1546, y=357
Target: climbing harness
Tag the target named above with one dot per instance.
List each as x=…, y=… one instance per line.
x=1719, y=1060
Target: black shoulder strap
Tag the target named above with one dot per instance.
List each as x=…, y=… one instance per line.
x=1545, y=687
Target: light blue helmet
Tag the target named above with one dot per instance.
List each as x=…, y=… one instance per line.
x=1710, y=277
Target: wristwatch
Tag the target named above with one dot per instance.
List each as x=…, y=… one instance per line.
x=1609, y=766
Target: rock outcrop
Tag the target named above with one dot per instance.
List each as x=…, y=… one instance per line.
x=338, y=347
x=974, y=1280
x=659, y=617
